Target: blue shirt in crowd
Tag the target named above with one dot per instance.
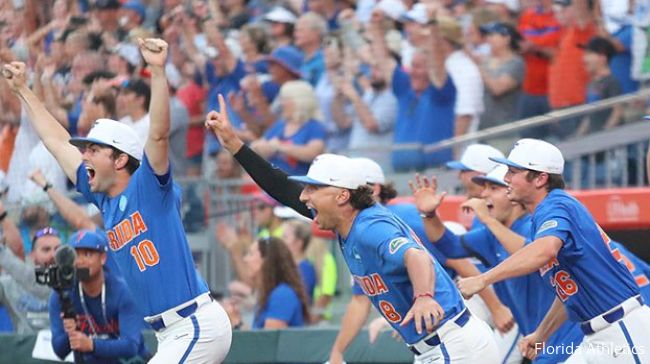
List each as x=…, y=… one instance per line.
x=282, y=304
x=310, y=130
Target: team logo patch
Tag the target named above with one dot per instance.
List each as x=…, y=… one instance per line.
x=122, y=203
x=550, y=224
x=395, y=244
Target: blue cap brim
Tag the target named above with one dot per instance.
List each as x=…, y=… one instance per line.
x=481, y=180
x=307, y=180
x=82, y=142
x=507, y=162
x=457, y=165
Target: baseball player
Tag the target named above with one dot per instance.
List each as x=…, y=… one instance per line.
x=574, y=258
x=403, y=281
x=492, y=244
x=140, y=205
x=358, y=308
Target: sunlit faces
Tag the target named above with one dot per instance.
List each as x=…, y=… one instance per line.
x=323, y=202
x=520, y=189
x=100, y=166
x=496, y=197
x=92, y=259
x=44, y=249
x=254, y=260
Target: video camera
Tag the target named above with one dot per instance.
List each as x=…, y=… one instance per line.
x=61, y=275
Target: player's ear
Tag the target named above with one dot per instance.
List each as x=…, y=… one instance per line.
x=541, y=180
x=343, y=197
x=121, y=161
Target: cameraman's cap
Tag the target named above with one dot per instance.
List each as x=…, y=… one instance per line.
x=88, y=239
x=113, y=134
x=371, y=170
x=280, y=15
x=332, y=170
x=477, y=158
x=496, y=176
x=536, y=155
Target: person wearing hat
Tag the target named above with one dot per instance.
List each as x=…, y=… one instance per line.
x=281, y=23
x=107, y=326
x=574, y=258
x=401, y=279
x=133, y=102
x=132, y=185
x=502, y=73
x=358, y=308
x=107, y=13
x=504, y=226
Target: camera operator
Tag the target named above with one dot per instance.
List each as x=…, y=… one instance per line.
x=107, y=327
x=25, y=300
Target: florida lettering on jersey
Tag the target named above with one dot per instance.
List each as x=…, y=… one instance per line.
x=371, y=285
x=125, y=231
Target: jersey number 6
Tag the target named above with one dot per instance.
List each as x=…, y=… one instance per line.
x=145, y=254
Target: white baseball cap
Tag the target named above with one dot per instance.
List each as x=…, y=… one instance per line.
x=392, y=8
x=332, y=170
x=496, y=176
x=478, y=158
x=536, y=155
x=417, y=14
x=280, y=15
x=371, y=170
x=114, y=134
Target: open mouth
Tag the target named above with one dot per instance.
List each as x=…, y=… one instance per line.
x=490, y=205
x=314, y=213
x=90, y=171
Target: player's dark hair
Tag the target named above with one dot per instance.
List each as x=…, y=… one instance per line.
x=362, y=198
x=301, y=230
x=555, y=181
x=387, y=193
x=132, y=163
x=279, y=267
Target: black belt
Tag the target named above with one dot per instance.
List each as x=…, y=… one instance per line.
x=611, y=317
x=434, y=340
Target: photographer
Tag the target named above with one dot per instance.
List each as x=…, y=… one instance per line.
x=25, y=300
x=107, y=327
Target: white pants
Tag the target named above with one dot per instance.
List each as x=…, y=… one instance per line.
x=203, y=337
x=507, y=345
x=625, y=341
x=470, y=344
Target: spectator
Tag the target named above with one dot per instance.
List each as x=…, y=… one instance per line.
x=33, y=218
x=296, y=139
x=328, y=9
x=502, y=73
x=310, y=30
x=107, y=14
x=254, y=44
x=133, y=106
x=319, y=253
x=619, y=32
x=107, y=326
x=180, y=121
x=267, y=223
x=328, y=89
x=282, y=301
x=425, y=92
x=124, y=59
x=235, y=14
x=541, y=33
x=567, y=82
x=297, y=235
x=193, y=96
x=281, y=22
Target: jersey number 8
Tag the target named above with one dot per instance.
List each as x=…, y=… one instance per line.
x=145, y=254
x=388, y=310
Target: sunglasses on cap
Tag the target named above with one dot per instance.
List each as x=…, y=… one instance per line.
x=45, y=232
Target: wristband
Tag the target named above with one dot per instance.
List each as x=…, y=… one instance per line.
x=427, y=294
x=47, y=187
x=428, y=215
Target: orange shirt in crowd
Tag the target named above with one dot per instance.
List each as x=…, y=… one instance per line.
x=542, y=29
x=567, y=80
x=7, y=140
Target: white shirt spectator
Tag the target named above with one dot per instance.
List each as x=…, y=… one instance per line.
x=469, y=87
x=41, y=158
x=18, y=172
x=141, y=126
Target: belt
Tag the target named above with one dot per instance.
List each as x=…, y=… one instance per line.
x=186, y=309
x=602, y=321
x=433, y=340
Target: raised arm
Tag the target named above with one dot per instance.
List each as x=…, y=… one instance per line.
x=435, y=54
x=53, y=135
x=510, y=240
x=427, y=201
x=272, y=180
x=154, y=52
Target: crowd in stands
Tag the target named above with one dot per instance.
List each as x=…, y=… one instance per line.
x=302, y=77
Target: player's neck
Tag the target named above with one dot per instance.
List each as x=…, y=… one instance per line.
x=120, y=184
x=346, y=221
x=93, y=287
x=516, y=213
x=536, y=200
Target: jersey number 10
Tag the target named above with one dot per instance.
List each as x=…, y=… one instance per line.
x=145, y=254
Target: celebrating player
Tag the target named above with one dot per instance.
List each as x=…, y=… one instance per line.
x=573, y=256
x=140, y=205
x=402, y=280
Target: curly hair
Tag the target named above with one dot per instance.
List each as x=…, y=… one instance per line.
x=387, y=193
x=279, y=267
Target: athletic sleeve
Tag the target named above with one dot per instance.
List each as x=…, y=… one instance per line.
x=60, y=342
x=282, y=304
x=440, y=257
x=554, y=222
x=126, y=345
x=449, y=244
x=149, y=177
x=272, y=180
